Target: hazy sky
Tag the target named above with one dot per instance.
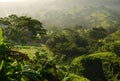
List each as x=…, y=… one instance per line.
x=6, y=1
x=16, y=6
x=10, y=1
x=49, y=11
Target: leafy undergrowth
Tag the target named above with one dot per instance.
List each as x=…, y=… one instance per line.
x=73, y=77
x=103, y=66
x=31, y=50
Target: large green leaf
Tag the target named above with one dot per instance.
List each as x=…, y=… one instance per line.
x=1, y=39
x=1, y=64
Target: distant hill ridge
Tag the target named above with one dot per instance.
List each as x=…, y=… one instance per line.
x=67, y=13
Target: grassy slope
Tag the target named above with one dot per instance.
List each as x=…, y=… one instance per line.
x=31, y=50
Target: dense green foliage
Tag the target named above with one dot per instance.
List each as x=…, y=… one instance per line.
x=66, y=42
x=98, y=67
x=69, y=54
x=12, y=66
x=97, y=33
x=21, y=29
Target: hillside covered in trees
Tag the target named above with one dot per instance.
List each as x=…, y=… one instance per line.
x=76, y=54
x=70, y=41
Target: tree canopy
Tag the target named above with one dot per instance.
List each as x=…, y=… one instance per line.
x=23, y=28
x=97, y=33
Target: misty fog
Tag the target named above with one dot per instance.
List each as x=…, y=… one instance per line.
x=61, y=13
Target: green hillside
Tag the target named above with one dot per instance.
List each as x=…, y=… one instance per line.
x=60, y=40
x=99, y=66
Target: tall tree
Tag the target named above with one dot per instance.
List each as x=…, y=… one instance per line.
x=97, y=33
x=21, y=29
